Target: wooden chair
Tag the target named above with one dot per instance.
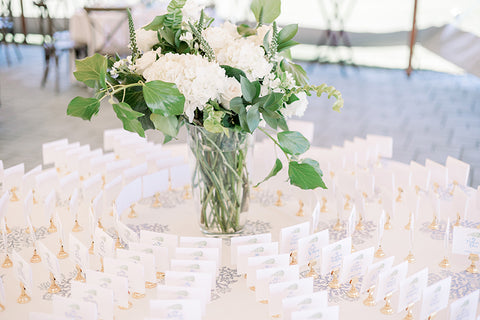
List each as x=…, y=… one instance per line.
x=8, y=27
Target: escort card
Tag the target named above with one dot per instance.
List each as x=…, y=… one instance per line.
x=366, y=183
x=49, y=259
x=278, y=291
x=465, y=308
x=402, y=176
x=420, y=176
x=389, y=280
x=22, y=271
x=160, y=239
x=29, y=179
x=309, y=248
x=78, y=252
x=125, y=233
x=3, y=297
x=59, y=154
x=130, y=194
x=244, y=240
x=47, y=150
x=180, y=176
x=189, y=279
x=46, y=181
x=102, y=297
x=74, y=308
x=168, y=162
x=206, y=266
x=460, y=203
x=457, y=171
x=61, y=233
x=13, y=177
x=135, y=272
x=466, y=240
x=211, y=254
x=439, y=174
x=264, y=262
x=176, y=309
x=182, y=293
x=144, y=259
x=49, y=206
x=253, y=250
x=4, y=200
x=330, y=313
x=104, y=244
x=116, y=168
x=67, y=184
x=110, y=135
x=84, y=160
x=155, y=182
x=317, y=299
x=411, y=289
x=384, y=180
x=28, y=204
x=133, y=173
x=384, y=144
x=289, y=236
x=356, y=264
x=111, y=191
x=373, y=270
x=435, y=297
x=72, y=157
x=161, y=254
x=333, y=254
x=92, y=186
x=74, y=203
x=98, y=164
x=315, y=217
x=202, y=242
x=118, y=284
x=265, y=277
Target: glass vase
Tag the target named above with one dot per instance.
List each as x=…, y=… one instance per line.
x=221, y=167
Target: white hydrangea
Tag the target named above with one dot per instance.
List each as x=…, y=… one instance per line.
x=198, y=79
x=146, y=39
x=222, y=36
x=146, y=60
x=231, y=90
x=261, y=32
x=289, y=81
x=270, y=84
x=296, y=108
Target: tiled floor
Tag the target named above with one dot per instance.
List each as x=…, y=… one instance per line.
x=429, y=115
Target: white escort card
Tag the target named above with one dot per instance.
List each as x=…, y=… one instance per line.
x=133, y=173
x=458, y=171
x=309, y=248
x=265, y=277
x=212, y=254
x=264, y=262
x=289, y=236
x=74, y=308
x=244, y=240
x=22, y=271
x=154, y=182
x=45, y=182
x=411, y=289
x=180, y=176
x=205, y=266
x=29, y=179
x=202, y=242
x=84, y=162
x=182, y=293
x=49, y=259
x=176, y=309
x=373, y=271
x=92, y=187
x=125, y=233
x=169, y=241
x=13, y=177
x=330, y=313
x=135, y=272
x=147, y=260
x=435, y=297
x=465, y=308
x=420, y=176
x=439, y=175
x=102, y=297
x=78, y=252
x=253, y=250
x=384, y=144
x=356, y=264
x=279, y=291
x=3, y=297
x=189, y=279
x=317, y=299
x=111, y=191
x=130, y=194
x=116, y=168
x=49, y=206
x=72, y=157
x=47, y=150
x=104, y=244
x=466, y=240
x=161, y=254
x=45, y=316
x=118, y=284
x=333, y=254
x=389, y=280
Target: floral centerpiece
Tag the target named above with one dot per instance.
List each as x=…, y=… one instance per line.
x=223, y=82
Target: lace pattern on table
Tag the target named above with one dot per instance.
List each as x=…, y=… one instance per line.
x=18, y=238
x=225, y=279
x=65, y=284
x=359, y=236
x=440, y=233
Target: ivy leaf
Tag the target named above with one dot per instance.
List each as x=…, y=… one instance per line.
x=253, y=118
x=276, y=169
x=293, y=142
x=83, y=108
x=233, y=72
x=212, y=120
x=156, y=23
x=306, y=174
x=267, y=10
x=249, y=89
x=287, y=33
x=129, y=118
x=163, y=98
x=91, y=70
x=167, y=125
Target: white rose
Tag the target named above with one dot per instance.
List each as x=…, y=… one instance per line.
x=146, y=39
x=149, y=57
x=232, y=89
x=296, y=108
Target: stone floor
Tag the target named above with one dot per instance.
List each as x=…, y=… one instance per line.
x=429, y=115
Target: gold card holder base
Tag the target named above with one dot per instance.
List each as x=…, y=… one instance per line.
x=444, y=263
x=24, y=297
x=79, y=277
x=77, y=227
x=311, y=272
x=279, y=202
x=132, y=214
x=410, y=257
x=137, y=295
x=52, y=228
x=35, y=257
x=7, y=263
x=409, y=310
x=353, y=292
x=370, y=300
x=126, y=308
x=150, y=285
x=156, y=202
x=54, y=288
x=62, y=254
x=473, y=267
x=293, y=258
x=379, y=253
x=334, y=284
x=338, y=225
x=387, y=308
x=300, y=209
x=160, y=275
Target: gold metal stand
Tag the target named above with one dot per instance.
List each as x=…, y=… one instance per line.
x=434, y=224
x=125, y=308
x=300, y=210
x=334, y=284
x=132, y=214
x=473, y=267
x=387, y=308
x=99, y=224
x=35, y=257
x=91, y=249
x=150, y=285
x=458, y=223
x=379, y=253
x=2, y=307
x=293, y=258
x=118, y=243
x=77, y=227
x=388, y=224
x=347, y=205
x=312, y=273
x=14, y=197
x=279, y=202
x=409, y=224
x=444, y=263
x=52, y=228
x=264, y=301
x=10, y=231
x=455, y=184
x=338, y=226
x=324, y=205
x=400, y=195
x=24, y=297
x=353, y=292
x=79, y=277
x=54, y=288
x=7, y=263
x=410, y=257
x=187, y=195
x=435, y=187
x=27, y=230
x=370, y=301
x=430, y=317
x=409, y=310
x=61, y=253
x=160, y=275
x=360, y=226
x=156, y=202
x=137, y=295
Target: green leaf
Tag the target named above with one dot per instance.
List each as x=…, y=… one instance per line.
x=129, y=118
x=168, y=35
x=233, y=72
x=272, y=122
x=273, y=101
x=268, y=9
x=156, y=23
x=276, y=169
x=293, y=142
x=175, y=5
x=236, y=104
x=83, y=108
x=287, y=33
x=299, y=74
x=286, y=45
x=249, y=90
x=305, y=174
x=253, y=118
x=163, y=98
x=282, y=124
x=212, y=120
x=92, y=70
x=245, y=30
x=167, y=125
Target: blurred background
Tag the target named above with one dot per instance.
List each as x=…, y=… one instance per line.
x=407, y=69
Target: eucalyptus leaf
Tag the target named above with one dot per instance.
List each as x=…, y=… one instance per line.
x=253, y=118
x=83, y=108
x=91, y=70
x=156, y=23
x=293, y=142
x=163, y=98
x=276, y=169
x=249, y=89
x=305, y=175
x=267, y=10
x=286, y=45
x=287, y=33
x=167, y=125
x=282, y=124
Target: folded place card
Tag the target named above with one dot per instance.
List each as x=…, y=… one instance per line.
x=205, y=266
x=49, y=259
x=84, y=160
x=265, y=277
x=465, y=308
x=356, y=264
x=373, y=271
x=74, y=308
x=111, y=191
x=389, y=280
x=245, y=240
x=161, y=254
x=212, y=254
x=3, y=297
x=438, y=174
x=309, y=247
x=59, y=154
x=13, y=177
x=176, y=309
x=420, y=176
x=333, y=254
x=330, y=313
x=78, y=252
x=189, y=279
x=458, y=171
x=67, y=184
x=180, y=176
x=253, y=250
x=104, y=244
x=4, y=200
x=47, y=150
x=147, y=260
x=289, y=236
x=91, y=187
x=29, y=179
x=466, y=240
x=160, y=239
x=317, y=299
x=102, y=297
x=130, y=194
x=22, y=271
x=411, y=289
x=384, y=144
x=264, y=262
x=118, y=284
x=133, y=173
x=182, y=293
x=202, y=242
x=45, y=316
x=435, y=297
x=135, y=272
x=155, y=182
x=279, y=291
x=116, y=168
x=72, y=157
